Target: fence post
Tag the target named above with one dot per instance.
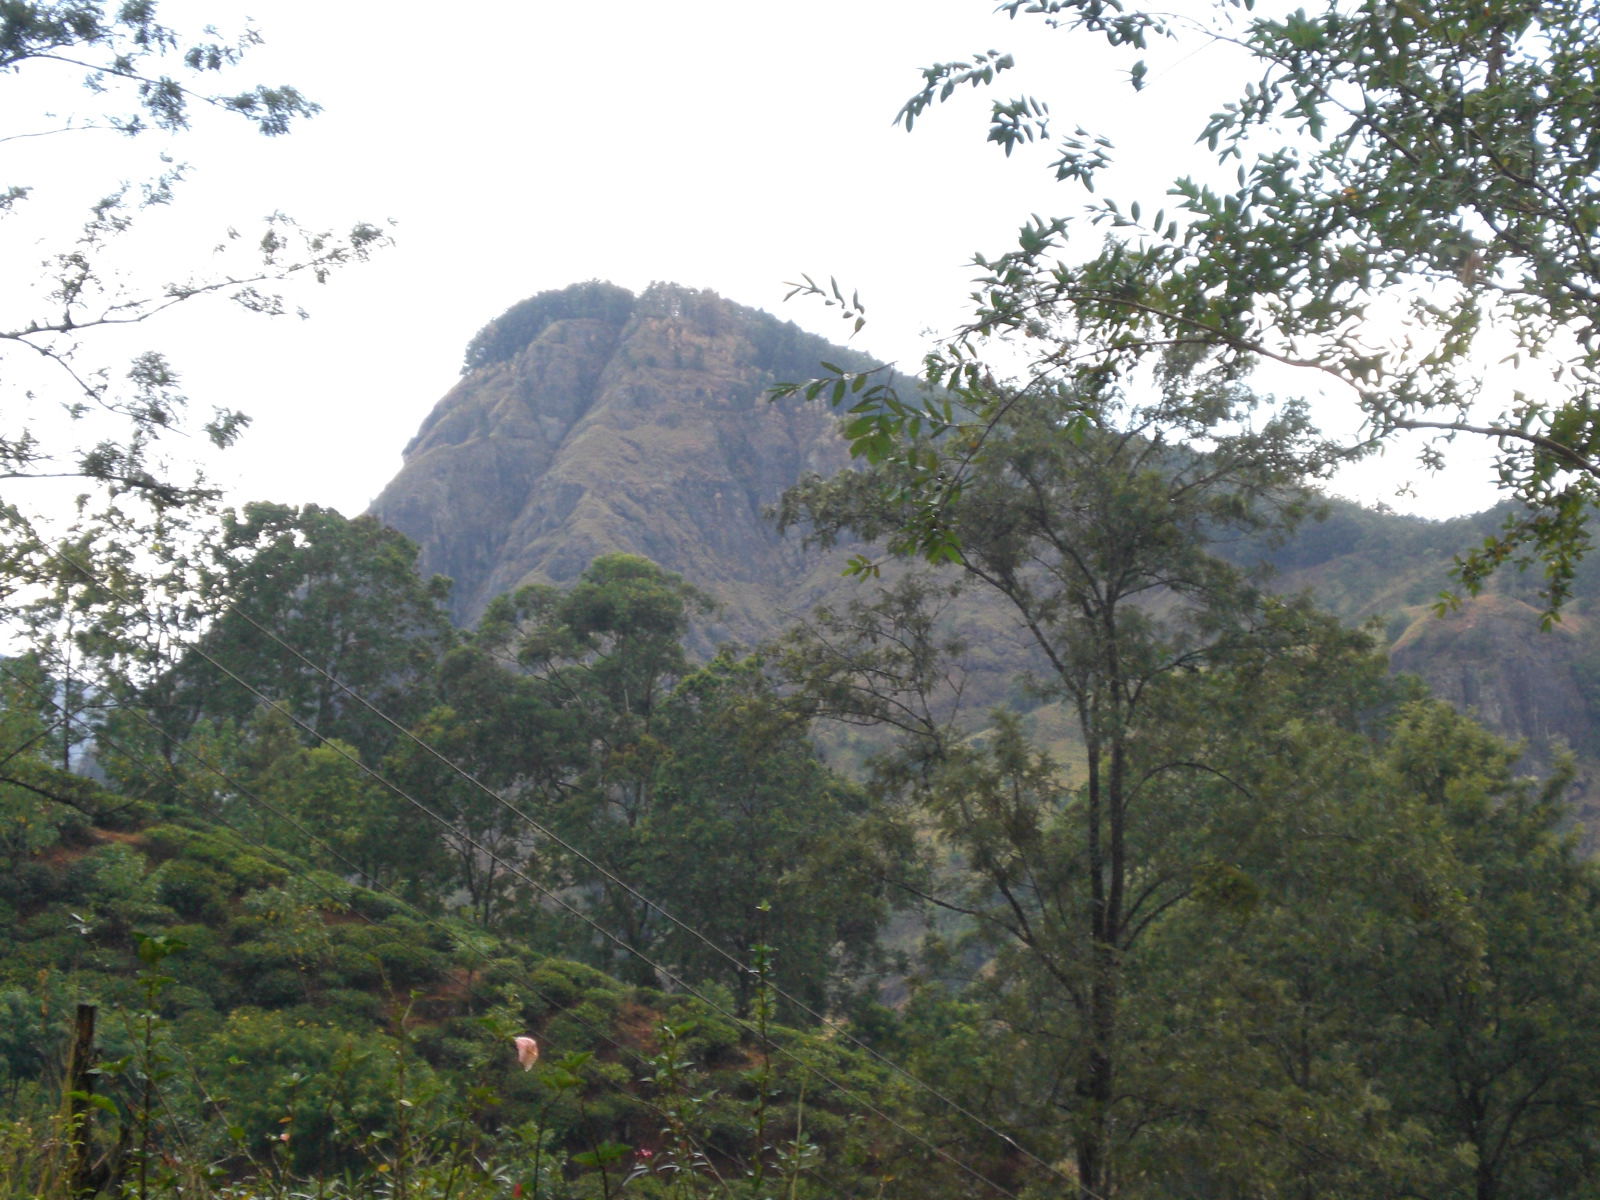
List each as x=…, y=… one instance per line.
x=80, y=1084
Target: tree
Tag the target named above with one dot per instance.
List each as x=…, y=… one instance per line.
x=604, y=655
x=1500, y=958
x=672, y=789
x=754, y=841
x=1414, y=197
x=1097, y=541
x=1264, y=927
x=310, y=610
x=554, y=707
x=1382, y=995
x=486, y=760
x=148, y=81
x=1430, y=164
x=38, y=797
x=313, y=802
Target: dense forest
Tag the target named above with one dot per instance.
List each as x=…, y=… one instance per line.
x=313, y=888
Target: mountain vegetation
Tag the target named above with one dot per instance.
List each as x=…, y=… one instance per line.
x=1041, y=816
x=317, y=944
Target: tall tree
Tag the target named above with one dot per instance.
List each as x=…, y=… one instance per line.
x=311, y=607
x=553, y=706
x=491, y=756
x=1257, y=934
x=1489, y=1043
x=1098, y=541
x=605, y=654
x=753, y=841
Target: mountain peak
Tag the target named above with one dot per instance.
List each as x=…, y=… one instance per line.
x=590, y=420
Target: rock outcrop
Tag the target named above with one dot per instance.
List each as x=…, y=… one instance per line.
x=595, y=422
x=1490, y=657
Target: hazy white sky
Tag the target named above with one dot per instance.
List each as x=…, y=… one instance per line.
x=519, y=147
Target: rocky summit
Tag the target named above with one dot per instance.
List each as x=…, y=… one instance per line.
x=591, y=421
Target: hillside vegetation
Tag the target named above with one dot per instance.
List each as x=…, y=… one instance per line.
x=266, y=1028
x=310, y=943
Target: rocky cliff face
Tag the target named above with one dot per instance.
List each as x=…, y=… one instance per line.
x=596, y=422
x=1490, y=657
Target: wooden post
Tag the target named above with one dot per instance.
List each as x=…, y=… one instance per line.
x=80, y=1084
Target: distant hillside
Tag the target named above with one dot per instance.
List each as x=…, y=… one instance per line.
x=591, y=420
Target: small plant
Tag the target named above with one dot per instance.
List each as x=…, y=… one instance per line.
x=681, y=1161
x=603, y=1153
x=149, y=1067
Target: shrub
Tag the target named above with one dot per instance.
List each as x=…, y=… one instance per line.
x=277, y=988
x=407, y=963
x=192, y=890
x=335, y=1088
x=561, y=983
x=240, y=869
x=31, y=885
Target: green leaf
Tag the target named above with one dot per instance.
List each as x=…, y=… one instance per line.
x=603, y=1155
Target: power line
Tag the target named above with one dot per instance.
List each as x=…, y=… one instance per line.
x=730, y=958
x=252, y=797
x=566, y=906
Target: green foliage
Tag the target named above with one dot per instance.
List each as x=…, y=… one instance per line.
x=42, y=801
x=113, y=882
x=557, y=704
x=345, y=595
x=508, y=334
x=313, y=1037
x=695, y=791
x=1274, y=933
x=321, y=801
x=1353, y=928
x=1382, y=167
x=235, y=861
x=192, y=890
x=322, y=1094
x=757, y=841
x=1092, y=522
x=30, y=1043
